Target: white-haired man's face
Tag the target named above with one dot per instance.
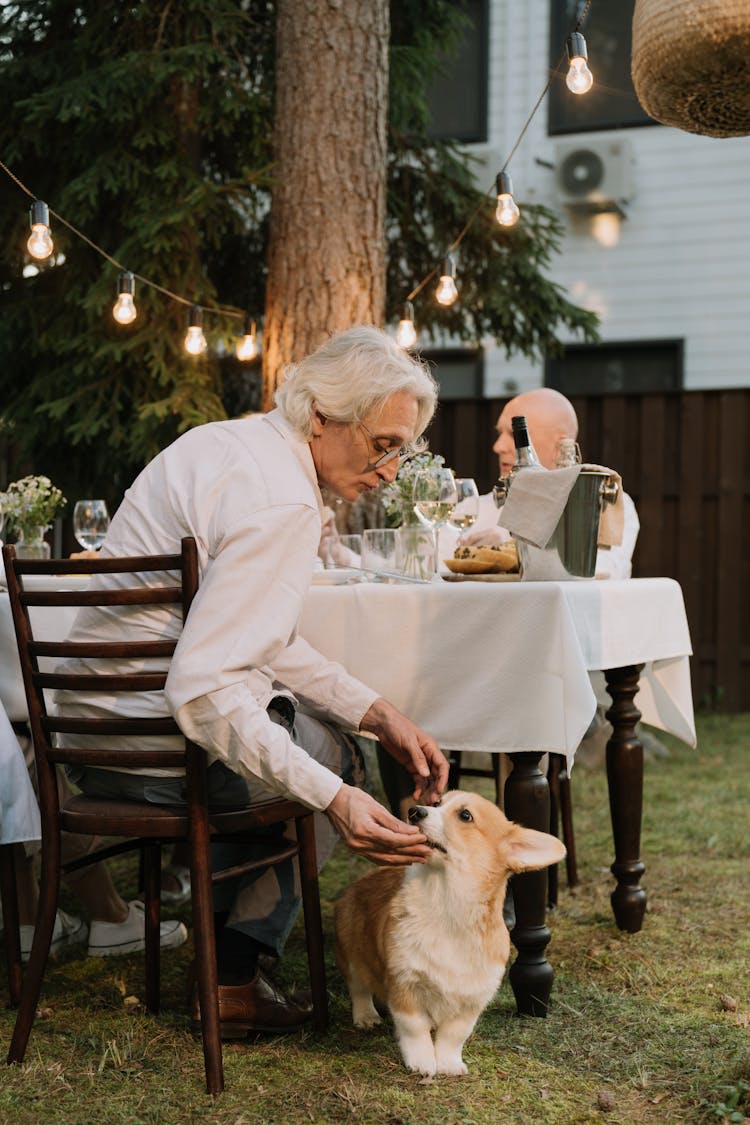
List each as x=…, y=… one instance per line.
x=346, y=455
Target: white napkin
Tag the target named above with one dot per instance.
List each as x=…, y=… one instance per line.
x=612, y=518
x=536, y=500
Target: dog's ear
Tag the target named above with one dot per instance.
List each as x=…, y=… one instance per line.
x=528, y=850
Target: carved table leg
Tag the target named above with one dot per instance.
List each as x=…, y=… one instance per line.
x=625, y=781
x=531, y=975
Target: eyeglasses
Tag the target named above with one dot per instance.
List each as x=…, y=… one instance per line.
x=402, y=451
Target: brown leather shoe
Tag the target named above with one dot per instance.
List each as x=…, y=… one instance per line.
x=257, y=1006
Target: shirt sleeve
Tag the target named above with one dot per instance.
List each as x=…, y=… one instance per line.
x=323, y=685
x=242, y=618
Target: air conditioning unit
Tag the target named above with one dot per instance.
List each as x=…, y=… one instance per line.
x=594, y=176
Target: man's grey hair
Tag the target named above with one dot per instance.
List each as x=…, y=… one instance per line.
x=352, y=374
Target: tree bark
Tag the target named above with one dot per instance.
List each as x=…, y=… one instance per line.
x=326, y=263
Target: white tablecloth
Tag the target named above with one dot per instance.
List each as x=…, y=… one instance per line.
x=488, y=666
x=506, y=666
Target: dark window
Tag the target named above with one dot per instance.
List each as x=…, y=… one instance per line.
x=457, y=96
x=626, y=368
x=611, y=102
x=459, y=372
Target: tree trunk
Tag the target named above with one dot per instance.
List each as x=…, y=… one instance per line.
x=326, y=263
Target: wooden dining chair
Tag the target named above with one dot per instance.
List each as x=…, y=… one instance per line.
x=561, y=808
x=143, y=826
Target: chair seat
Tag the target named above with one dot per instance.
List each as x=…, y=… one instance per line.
x=133, y=818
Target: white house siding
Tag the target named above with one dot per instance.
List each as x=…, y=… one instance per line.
x=681, y=269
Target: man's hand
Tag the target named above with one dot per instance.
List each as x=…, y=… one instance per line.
x=485, y=537
x=369, y=830
x=411, y=747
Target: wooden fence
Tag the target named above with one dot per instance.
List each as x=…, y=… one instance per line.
x=685, y=459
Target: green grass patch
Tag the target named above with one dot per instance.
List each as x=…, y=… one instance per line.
x=648, y=1027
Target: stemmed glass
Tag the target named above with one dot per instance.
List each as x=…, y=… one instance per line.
x=466, y=511
x=434, y=498
x=90, y=523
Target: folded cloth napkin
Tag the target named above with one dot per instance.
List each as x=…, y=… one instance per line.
x=612, y=518
x=19, y=812
x=536, y=500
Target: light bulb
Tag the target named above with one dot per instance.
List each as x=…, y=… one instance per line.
x=124, y=310
x=195, y=341
x=579, y=78
x=406, y=333
x=507, y=213
x=247, y=345
x=40, y=244
x=446, y=292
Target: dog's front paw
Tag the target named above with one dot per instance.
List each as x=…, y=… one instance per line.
x=419, y=1057
x=451, y=1064
x=364, y=1014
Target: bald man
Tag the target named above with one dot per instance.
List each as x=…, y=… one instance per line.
x=549, y=417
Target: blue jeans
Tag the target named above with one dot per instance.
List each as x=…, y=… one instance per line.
x=264, y=903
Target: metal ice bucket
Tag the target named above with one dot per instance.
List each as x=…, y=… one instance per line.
x=571, y=550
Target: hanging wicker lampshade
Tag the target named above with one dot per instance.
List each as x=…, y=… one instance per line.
x=691, y=64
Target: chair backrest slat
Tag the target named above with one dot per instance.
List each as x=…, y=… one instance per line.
x=135, y=564
x=111, y=756
x=141, y=595
x=114, y=650
x=73, y=681
x=75, y=725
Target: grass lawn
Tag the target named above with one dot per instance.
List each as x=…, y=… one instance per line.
x=648, y=1027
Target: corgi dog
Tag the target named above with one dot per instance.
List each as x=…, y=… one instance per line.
x=429, y=940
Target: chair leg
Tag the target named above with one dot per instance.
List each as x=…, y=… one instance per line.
x=151, y=860
x=566, y=810
x=49, y=890
x=9, y=899
x=204, y=937
x=454, y=769
x=308, y=869
x=553, y=779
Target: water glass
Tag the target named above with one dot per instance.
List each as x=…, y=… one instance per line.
x=378, y=549
x=349, y=550
x=90, y=523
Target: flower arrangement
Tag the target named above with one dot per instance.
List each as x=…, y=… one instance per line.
x=397, y=497
x=30, y=505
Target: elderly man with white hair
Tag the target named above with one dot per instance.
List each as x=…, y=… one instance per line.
x=249, y=492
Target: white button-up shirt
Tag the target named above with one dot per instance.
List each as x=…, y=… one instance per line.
x=248, y=492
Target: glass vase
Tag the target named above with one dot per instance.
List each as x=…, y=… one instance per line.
x=415, y=551
x=32, y=544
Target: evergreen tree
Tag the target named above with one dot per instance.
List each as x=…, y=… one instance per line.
x=148, y=127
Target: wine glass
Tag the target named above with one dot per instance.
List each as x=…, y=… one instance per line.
x=466, y=511
x=90, y=523
x=434, y=498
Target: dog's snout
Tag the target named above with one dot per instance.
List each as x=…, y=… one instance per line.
x=417, y=813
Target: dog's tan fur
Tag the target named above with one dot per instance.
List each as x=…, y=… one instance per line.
x=429, y=940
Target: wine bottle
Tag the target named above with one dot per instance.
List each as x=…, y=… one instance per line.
x=526, y=456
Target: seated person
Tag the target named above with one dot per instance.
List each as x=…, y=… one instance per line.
x=249, y=491
x=550, y=417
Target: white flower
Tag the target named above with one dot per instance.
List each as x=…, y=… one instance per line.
x=31, y=502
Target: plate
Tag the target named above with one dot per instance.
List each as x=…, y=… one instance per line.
x=336, y=576
x=481, y=577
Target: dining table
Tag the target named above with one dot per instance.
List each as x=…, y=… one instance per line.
x=509, y=667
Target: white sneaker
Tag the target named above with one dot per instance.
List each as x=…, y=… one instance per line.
x=68, y=930
x=111, y=939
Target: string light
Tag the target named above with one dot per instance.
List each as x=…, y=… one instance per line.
x=579, y=78
x=446, y=292
x=507, y=213
x=406, y=334
x=124, y=310
x=40, y=244
x=195, y=341
x=247, y=345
